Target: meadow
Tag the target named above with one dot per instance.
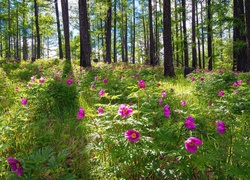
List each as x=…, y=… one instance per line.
x=59, y=121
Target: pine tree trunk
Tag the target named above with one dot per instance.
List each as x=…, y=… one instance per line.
x=65, y=15
x=194, y=54
x=151, y=34
x=108, y=33
x=58, y=31
x=247, y=6
x=185, y=42
x=202, y=39
x=38, y=51
x=198, y=36
x=168, y=59
x=209, y=36
x=85, y=45
x=114, y=41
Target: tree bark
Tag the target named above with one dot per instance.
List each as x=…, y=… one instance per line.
x=151, y=34
x=114, y=41
x=38, y=51
x=209, y=36
x=185, y=42
x=85, y=45
x=58, y=31
x=247, y=6
x=108, y=32
x=194, y=54
x=168, y=59
x=65, y=15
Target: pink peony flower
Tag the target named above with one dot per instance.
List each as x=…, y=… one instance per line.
x=24, y=101
x=166, y=111
x=221, y=93
x=124, y=110
x=192, y=143
x=132, y=135
x=183, y=102
x=141, y=84
x=105, y=80
x=163, y=93
x=92, y=86
x=102, y=92
x=81, y=113
x=160, y=100
x=15, y=165
x=41, y=80
x=221, y=128
x=192, y=79
x=189, y=123
x=69, y=81
x=239, y=81
x=100, y=110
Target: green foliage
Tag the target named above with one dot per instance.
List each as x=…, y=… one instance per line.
x=51, y=143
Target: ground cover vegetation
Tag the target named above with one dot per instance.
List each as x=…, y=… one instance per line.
x=120, y=121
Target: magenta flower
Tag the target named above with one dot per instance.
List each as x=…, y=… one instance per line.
x=100, y=110
x=24, y=101
x=102, y=92
x=124, y=110
x=160, y=100
x=192, y=79
x=189, y=123
x=41, y=80
x=141, y=84
x=202, y=78
x=69, y=81
x=132, y=135
x=239, y=81
x=163, y=93
x=166, y=111
x=192, y=143
x=183, y=102
x=221, y=93
x=81, y=113
x=96, y=78
x=15, y=165
x=235, y=84
x=221, y=128
x=105, y=80
x=92, y=86
x=33, y=78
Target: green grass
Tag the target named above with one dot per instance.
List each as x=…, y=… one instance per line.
x=51, y=143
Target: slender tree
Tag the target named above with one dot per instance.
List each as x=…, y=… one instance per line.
x=151, y=34
x=38, y=41
x=168, y=59
x=185, y=42
x=209, y=36
x=114, y=40
x=65, y=15
x=239, y=38
x=247, y=7
x=194, y=54
x=108, y=32
x=58, y=30
x=85, y=45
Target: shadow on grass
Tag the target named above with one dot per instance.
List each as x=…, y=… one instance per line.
x=56, y=125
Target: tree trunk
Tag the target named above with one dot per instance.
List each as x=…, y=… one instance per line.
x=65, y=15
x=24, y=28
x=209, y=36
x=202, y=39
x=133, y=41
x=85, y=45
x=8, y=54
x=198, y=36
x=185, y=42
x=151, y=34
x=239, y=37
x=58, y=31
x=247, y=6
x=108, y=32
x=38, y=51
x=114, y=42
x=194, y=54
x=168, y=59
